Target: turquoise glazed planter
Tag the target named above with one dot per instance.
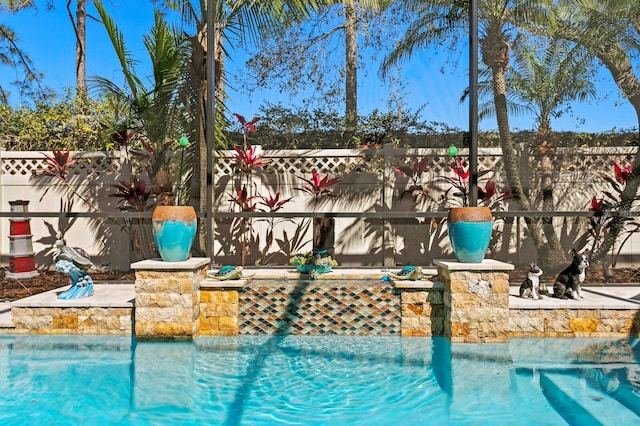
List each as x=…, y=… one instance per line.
x=470, y=232
x=174, y=229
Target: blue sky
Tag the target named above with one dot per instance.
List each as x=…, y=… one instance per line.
x=48, y=38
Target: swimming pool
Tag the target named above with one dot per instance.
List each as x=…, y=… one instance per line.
x=319, y=380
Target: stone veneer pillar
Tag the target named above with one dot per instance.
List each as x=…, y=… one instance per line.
x=476, y=300
x=167, y=303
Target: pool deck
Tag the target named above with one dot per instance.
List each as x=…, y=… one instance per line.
x=107, y=295
x=595, y=297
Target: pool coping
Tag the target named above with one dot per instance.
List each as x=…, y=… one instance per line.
x=291, y=277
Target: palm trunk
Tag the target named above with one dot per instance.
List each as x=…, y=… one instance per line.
x=495, y=54
x=199, y=166
x=351, y=64
x=81, y=54
x=324, y=234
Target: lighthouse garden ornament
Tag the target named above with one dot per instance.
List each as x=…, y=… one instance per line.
x=174, y=227
x=469, y=227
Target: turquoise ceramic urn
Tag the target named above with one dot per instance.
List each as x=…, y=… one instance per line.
x=174, y=229
x=470, y=232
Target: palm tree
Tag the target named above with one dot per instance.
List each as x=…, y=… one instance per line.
x=154, y=113
x=440, y=20
x=609, y=30
x=298, y=54
x=351, y=57
x=545, y=83
x=547, y=74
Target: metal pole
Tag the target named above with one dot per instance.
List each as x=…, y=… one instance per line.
x=210, y=132
x=473, y=102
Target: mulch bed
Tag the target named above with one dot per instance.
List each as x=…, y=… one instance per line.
x=49, y=280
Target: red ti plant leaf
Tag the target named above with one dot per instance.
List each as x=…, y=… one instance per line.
x=133, y=194
x=414, y=171
x=318, y=185
x=622, y=172
x=246, y=160
x=123, y=136
x=274, y=203
x=58, y=165
x=247, y=125
x=458, y=168
x=488, y=191
x=597, y=204
x=242, y=199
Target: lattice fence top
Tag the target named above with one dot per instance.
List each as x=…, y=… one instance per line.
x=580, y=160
x=340, y=162
x=30, y=163
x=573, y=163
x=21, y=166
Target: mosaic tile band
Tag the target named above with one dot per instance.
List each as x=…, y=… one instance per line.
x=310, y=308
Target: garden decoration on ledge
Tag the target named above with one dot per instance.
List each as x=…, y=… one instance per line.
x=174, y=227
x=409, y=273
x=469, y=227
x=228, y=272
x=314, y=263
x=75, y=263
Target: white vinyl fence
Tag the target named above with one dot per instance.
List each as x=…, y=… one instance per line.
x=383, y=229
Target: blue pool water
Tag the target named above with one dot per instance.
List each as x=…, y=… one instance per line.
x=323, y=380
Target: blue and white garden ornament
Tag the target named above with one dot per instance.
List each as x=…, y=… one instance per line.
x=228, y=272
x=409, y=272
x=75, y=263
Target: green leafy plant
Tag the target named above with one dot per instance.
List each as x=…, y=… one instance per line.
x=313, y=262
x=308, y=258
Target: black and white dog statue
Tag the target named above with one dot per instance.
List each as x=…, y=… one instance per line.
x=530, y=287
x=569, y=282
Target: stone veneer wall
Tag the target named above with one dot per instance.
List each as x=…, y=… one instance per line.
x=168, y=298
x=76, y=320
x=476, y=300
x=423, y=312
x=574, y=323
x=219, y=312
